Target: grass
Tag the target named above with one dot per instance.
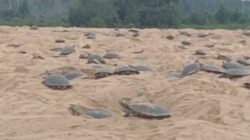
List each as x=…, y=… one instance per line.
x=23, y=22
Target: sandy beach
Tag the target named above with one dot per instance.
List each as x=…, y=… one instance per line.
x=203, y=106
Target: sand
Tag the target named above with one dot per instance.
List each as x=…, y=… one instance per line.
x=203, y=106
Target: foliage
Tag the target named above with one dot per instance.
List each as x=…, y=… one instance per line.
x=126, y=13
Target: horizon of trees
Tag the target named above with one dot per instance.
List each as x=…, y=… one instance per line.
x=131, y=13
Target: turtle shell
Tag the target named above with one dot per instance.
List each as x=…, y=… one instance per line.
x=56, y=81
x=111, y=55
x=224, y=57
x=212, y=68
x=203, y=35
x=199, y=52
x=245, y=62
x=247, y=85
x=95, y=58
x=103, y=72
x=148, y=110
x=233, y=65
x=90, y=35
x=67, y=50
x=190, y=69
x=68, y=72
x=233, y=73
x=125, y=70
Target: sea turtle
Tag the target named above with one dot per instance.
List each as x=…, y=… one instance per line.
x=190, y=69
x=56, y=81
x=185, y=33
x=83, y=55
x=210, y=45
x=186, y=43
x=247, y=85
x=67, y=71
x=60, y=41
x=68, y=49
x=246, y=32
x=95, y=58
x=203, y=35
x=33, y=28
x=236, y=72
x=199, y=52
x=211, y=68
x=90, y=35
x=133, y=30
x=125, y=70
x=170, y=37
x=136, y=34
x=102, y=72
x=224, y=57
x=87, y=46
x=120, y=35
x=111, y=55
x=232, y=65
x=144, y=109
x=96, y=113
x=243, y=61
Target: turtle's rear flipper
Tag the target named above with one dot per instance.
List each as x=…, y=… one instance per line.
x=127, y=112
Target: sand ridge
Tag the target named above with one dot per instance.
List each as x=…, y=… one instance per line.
x=203, y=106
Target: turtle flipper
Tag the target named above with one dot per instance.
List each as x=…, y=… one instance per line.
x=127, y=112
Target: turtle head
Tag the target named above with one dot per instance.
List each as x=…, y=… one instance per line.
x=124, y=102
x=88, y=54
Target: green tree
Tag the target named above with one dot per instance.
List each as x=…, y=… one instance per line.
x=236, y=16
x=23, y=9
x=200, y=18
x=223, y=15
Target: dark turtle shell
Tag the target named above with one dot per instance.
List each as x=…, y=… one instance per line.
x=95, y=58
x=232, y=65
x=245, y=62
x=67, y=50
x=247, y=85
x=133, y=30
x=246, y=32
x=103, y=72
x=203, y=35
x=68, y=72
x=145, y=109
x=234, y=73
x=190, y=69
x=199, y=52
x=56, y=81
x=90, y=35
x=111, y=55
x=224, y=57
x=125, y=70
x=212, y=68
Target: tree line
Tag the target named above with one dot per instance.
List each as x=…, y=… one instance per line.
x=138, y=13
